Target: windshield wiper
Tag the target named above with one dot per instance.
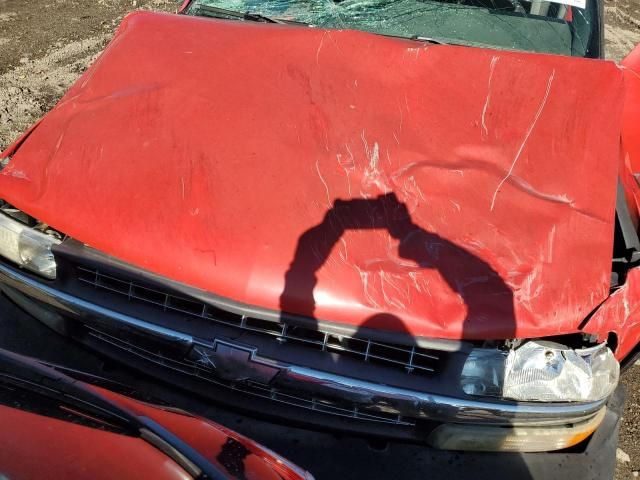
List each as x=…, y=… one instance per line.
x=218, y=12
x=435, y=41
x=418, y=38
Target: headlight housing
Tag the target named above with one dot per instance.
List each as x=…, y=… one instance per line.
x=29, y=248
x=541, y=371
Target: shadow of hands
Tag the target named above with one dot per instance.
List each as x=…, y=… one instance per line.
x=485, y=294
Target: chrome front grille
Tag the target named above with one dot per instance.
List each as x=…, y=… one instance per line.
x=410, y=359
x=201, y=371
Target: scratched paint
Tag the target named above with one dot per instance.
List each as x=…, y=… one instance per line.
x=526, y=139
x=488, y=222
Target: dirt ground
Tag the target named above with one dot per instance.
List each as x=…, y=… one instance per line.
x=622, y=27
x=630, y=432
x=46, y=44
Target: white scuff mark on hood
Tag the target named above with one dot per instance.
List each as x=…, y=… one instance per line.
x=326, y=137
x=417, y=188
x=526, y=138
x=530, y=288
x=414, y=280
x=550, y=242
x=348, y=165
x=389, y=299
x=405, y=168
x=414, y=51
x=492, y=68
x=298, y=135
x=58, y=143
x=476, y=244
x=10, y=171
x=550, y=197
x=372, y=174
x=364, y=279
x=320, y=48
x=326, y=187
x=343, y=252
x=625, y=304
x=411, y=191
x=529, y=280
x=365, y=144
x=20, y=174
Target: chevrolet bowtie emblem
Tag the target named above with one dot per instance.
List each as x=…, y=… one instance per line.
x=203, y=356
x=234, y=362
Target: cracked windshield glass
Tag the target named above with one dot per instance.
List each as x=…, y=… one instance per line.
x=562, y=27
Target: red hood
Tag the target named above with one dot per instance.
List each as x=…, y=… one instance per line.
x=203, y=150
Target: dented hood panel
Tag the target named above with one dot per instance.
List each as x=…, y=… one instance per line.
x=445, y=191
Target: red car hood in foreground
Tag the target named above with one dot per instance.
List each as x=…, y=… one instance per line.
x=446, y=191
x=53, y=435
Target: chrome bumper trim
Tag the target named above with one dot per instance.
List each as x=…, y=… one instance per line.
x=228, y=359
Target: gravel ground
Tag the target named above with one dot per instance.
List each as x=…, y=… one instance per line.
x=630, y=431
x=622, y=27
x=46, y=44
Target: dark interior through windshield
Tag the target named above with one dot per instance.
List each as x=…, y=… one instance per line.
x=564, y=27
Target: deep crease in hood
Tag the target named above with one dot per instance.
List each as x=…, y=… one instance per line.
x=444, y=191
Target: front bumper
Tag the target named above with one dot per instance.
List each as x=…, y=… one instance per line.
x=324, y=454
x=210, y=364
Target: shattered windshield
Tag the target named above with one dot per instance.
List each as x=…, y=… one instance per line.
x=565, y=27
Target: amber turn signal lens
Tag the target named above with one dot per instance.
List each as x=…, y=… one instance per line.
x=513, y=439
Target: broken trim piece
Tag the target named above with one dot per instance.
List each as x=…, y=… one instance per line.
x=629, y=233
x=626, y=232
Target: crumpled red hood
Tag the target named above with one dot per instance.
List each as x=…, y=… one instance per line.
x=445, y=191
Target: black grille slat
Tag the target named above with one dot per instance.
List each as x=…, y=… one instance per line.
x=412, y=360
x=191, y=368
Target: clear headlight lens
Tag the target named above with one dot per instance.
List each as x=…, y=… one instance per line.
x=541, y=371
x=27, y=247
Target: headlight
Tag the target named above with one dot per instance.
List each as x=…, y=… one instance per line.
x=542, y=371
x=27, y=247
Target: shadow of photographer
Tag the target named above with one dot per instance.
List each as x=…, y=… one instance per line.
x=485, y=294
